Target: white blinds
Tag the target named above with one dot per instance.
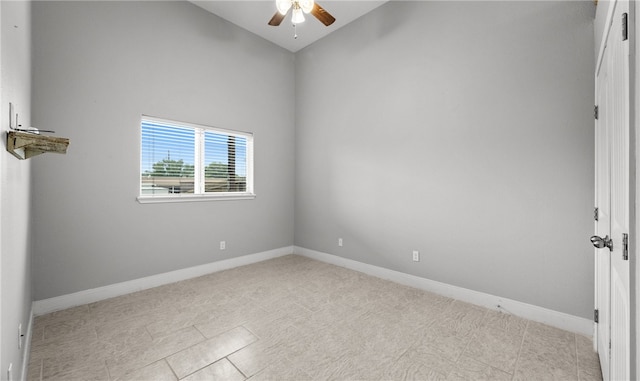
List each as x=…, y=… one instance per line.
x=186, y=159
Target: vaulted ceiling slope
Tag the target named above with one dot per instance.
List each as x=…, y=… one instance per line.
x=254, y=15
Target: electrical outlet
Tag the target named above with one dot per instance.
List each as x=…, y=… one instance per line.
x=223, y=245
x=340, y=242
x=20, y=336
x=416, y=256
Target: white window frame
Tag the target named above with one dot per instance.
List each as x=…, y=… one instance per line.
x=199, y=173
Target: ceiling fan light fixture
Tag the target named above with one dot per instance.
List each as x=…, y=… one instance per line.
x=297, y=17
x=283, y=6
x=306, y=5
x=299, y=7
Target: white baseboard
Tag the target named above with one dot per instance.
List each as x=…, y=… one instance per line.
x=26, y=347
x=45, y=306
x=528, y=311
x=543, y=315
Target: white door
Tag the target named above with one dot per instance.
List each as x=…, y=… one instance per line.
x=603, y=221
x=619, y=122
x=612, y=196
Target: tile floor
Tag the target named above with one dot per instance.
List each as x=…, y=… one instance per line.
x=292, y=318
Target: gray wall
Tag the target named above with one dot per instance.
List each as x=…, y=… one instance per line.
x=463, y=130
x=15, y=185
x=460, y=129
x=97, y=67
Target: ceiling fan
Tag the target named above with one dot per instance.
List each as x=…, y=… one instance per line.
x=300, y=7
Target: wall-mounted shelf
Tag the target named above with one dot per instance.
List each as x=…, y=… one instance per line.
x=24, y=145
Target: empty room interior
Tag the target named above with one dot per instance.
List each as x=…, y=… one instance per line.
x=386, y=190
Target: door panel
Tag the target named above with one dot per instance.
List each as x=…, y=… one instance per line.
x=603, y=224
x=619, y=122
x=612, y=197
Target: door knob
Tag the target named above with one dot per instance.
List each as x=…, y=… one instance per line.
x=600, y=242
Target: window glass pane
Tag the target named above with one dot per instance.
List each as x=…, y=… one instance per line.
x=225, y=163
x=167, y=164
x=187, y=159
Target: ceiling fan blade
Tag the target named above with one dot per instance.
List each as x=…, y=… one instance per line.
x=322, y=15
x=276, y=19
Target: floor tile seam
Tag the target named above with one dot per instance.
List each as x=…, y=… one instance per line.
x=149, y=333
x=303, y=306
x=470, y=339
x=515, y=368
x=264, y=338
x=170, y=368
x=185, y=348
x=199, y=331
x=253, y=333
x=207, y=365
x=128, y=371
x=241, y=324
x=207, y=339
x=110, y=377
x=137, y=347
x=149, y=362
x=180, y=317
x=235, y=366
x=510, y=373
x=404, y=353
x=575, y=347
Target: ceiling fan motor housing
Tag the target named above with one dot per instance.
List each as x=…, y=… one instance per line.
x=284, y=5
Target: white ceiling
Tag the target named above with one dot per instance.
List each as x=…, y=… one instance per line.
x=254, y=15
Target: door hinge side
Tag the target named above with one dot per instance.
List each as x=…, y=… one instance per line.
x=625, y=27
x=625, y=246
x=595, y=112
x=595, y=316
x=595, y=213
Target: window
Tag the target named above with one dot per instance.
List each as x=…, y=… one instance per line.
x=188, y=162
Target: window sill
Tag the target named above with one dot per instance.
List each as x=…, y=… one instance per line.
x=196, y=198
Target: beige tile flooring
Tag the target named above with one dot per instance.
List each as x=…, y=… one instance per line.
x=293, y=318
